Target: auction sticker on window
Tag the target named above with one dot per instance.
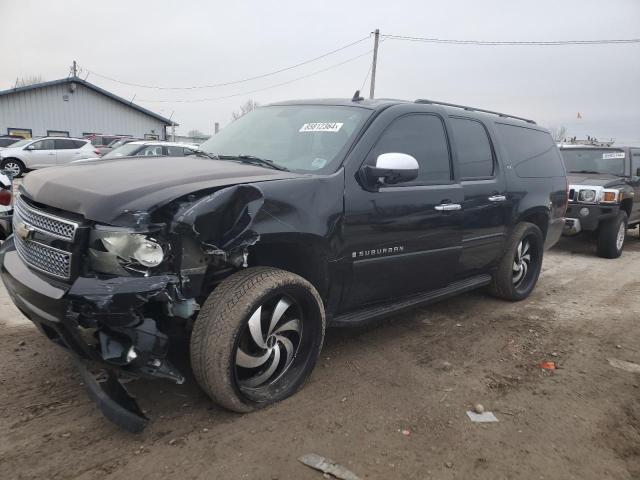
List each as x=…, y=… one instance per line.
x=321, y=127
x=610, y=155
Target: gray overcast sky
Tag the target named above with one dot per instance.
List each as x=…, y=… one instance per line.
x=194, y=43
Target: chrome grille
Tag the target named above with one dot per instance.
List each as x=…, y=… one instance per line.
x=45, y=258
x=43, y=222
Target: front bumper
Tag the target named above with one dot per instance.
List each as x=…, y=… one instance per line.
x=576, y=220
x=96, y=320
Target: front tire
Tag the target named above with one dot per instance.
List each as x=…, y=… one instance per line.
x=257, y=338
x=519, y=269
x=13, y=166
x=611, y=236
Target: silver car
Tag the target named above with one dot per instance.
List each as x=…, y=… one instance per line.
x=44, y=152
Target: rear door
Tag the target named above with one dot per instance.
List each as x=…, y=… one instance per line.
x=41, y=153
x=66, y=151
x=486, y=204
x=398, y=238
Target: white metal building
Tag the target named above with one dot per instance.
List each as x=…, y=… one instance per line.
x=74, y=107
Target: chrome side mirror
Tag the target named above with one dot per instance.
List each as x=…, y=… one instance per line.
x=391, y=168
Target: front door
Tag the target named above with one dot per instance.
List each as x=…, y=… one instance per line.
x=399, y=239
x=486, y=203
x=41, y=153
x=635, y=183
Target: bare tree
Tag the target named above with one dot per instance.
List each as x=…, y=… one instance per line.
x=558, y=133
x=195, y=133
x=29, y=80
x=244, y=109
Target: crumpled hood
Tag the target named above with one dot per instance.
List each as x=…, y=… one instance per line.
x=106, y=189
x=595, y=179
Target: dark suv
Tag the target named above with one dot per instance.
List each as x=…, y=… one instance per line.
x=297, y=216
x=604, y=194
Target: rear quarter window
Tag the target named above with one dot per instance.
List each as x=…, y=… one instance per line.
x=532, y=153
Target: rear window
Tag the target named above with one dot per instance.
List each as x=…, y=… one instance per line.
x=533, y=153
x=65, y=144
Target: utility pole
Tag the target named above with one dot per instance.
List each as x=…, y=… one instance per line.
x=74, y=69
x=376, y=38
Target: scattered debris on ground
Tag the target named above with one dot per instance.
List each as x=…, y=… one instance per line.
x=328, y=466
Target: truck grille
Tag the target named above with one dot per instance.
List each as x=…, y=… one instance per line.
x=53, y=261
x=43, y=222
x=42, y=257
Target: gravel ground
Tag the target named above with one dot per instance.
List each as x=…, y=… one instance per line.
x=387, y=402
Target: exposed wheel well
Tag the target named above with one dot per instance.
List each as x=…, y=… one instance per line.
x=303, y=258
x=626, y=205
x=541, y=220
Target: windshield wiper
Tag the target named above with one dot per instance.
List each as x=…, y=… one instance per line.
x=202, y=153
x=583, y=171
x=254, y=160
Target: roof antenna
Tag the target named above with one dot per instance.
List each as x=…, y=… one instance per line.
x=356, y=97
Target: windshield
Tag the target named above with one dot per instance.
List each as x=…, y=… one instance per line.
x=594, y=160
x=306, y=138
x=125, y=150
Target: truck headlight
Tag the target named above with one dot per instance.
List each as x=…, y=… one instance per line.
x=123, y=252
x=588, y=196
x=134, y=247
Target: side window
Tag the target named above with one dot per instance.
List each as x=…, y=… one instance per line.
x=475, y=156
x=422, y=136
x=533, y=153
x=64, y=144
x=79, y=143
x=175, y=151
x=151, y=150
x=46, y=144
x=635, y=162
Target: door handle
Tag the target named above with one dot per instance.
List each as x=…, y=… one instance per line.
x=446, y=207
x=497, y=198
x=51, y=154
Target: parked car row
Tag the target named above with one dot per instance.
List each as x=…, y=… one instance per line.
x=34, y=153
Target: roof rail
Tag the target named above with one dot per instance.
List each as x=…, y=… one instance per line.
x=472, y=109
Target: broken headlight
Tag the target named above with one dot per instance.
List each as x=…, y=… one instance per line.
x=123, y=252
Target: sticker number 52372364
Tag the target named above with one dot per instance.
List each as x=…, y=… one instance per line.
x=321, y=127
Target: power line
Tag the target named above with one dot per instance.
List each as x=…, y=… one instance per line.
x=450, y=41
x=234, y=82
x=260, y=89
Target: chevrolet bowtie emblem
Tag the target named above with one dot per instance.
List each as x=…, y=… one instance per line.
x=23, y=230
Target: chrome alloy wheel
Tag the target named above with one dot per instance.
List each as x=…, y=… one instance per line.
x=268, y=344
x=13, y=168
x=622, y=232
x=522, y=262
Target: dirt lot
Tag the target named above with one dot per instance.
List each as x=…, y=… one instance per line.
x=417, y=372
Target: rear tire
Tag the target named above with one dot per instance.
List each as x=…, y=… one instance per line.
x=611, y=236
x=13, y=166
x=519, y=269
x=257, y=338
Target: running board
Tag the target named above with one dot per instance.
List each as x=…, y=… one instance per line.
x=368, y=314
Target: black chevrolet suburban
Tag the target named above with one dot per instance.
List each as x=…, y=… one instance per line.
x=298, y=216
x=604, y=194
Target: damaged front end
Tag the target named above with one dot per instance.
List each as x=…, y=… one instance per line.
x=119, y=296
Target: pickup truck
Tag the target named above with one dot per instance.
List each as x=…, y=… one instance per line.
x=298, y=216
